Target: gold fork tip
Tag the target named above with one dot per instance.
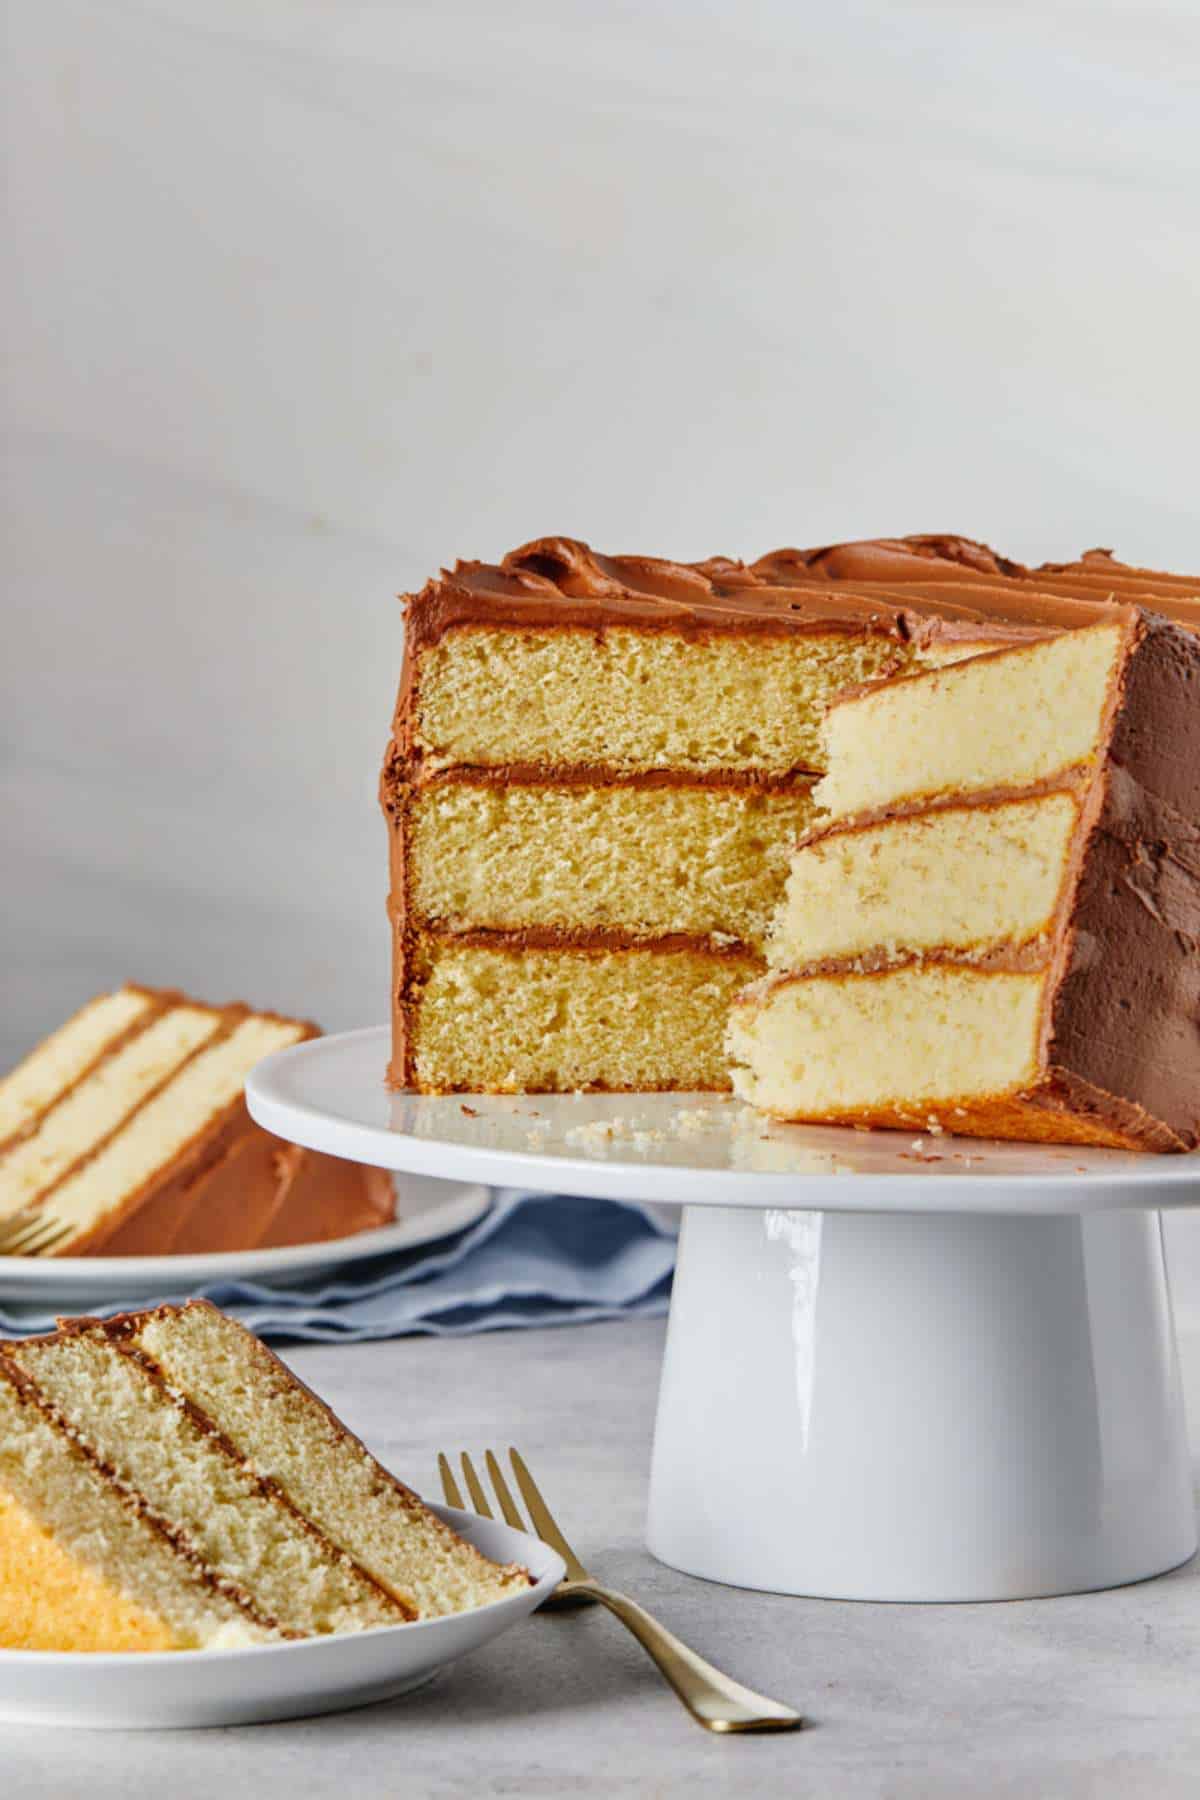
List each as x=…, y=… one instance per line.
x=450, y=1487
x=475, y=1488
x=741, y=1727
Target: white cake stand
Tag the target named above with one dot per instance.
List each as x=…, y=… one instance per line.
x=897, y=1368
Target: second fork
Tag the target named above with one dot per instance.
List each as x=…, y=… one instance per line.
x=714, y=1699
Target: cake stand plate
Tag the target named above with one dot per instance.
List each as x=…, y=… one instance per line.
x=897, y=1367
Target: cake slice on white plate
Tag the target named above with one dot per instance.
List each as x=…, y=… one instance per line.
x=128, y=1128
x=166, y=1483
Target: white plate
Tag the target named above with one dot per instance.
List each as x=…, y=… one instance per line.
x=689, y=1149
x=430, y=1209
x=270, y=1681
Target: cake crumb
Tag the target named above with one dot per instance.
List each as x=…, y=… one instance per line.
x=599, y=1131
x=691, y=1124
x=468, y=1112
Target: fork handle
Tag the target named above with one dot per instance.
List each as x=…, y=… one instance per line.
x=716, y=1701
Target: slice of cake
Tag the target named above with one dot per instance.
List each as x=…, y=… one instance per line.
x=997, y=931
x=128, y=1128
x=166, y=1483
x=597, y=769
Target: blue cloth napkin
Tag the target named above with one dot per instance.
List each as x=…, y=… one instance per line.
x=533, y=1259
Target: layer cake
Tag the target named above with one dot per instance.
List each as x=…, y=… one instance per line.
x=597, y=768
x=128, y=1126
x=996, y=928
x=167, y=1484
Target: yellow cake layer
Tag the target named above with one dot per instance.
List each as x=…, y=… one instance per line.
x=80, y=1569
x=152, y=1443
x=630, y=699
x=166, y=1123
x=284, y=1432
x=958, y=878
x=508, y=1020
x=1005, y=720
x=97, y=1106
x=928, y=1037
x=643, y=860
x=61, y=1058
x=52, y=1600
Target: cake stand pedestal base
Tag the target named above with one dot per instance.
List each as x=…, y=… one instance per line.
x=920, y=1407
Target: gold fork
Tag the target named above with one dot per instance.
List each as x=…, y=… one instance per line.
x=713, y=1699
x=30, y=1232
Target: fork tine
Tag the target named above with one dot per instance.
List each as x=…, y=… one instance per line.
x=25, y=1232
x=18, y=1225
x=54, y=1233
x=479, y=1499
x=20, y=1244
x=450, y=1487
x=543, y=1518
x=508, y=1505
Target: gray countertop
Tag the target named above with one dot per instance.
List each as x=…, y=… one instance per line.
x=1095, y=1695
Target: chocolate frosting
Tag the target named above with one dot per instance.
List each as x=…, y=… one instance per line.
x=944, y=564
x=563, y=582
x=1126, y=1015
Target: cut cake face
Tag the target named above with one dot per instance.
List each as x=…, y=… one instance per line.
x=166, y=1483
x=597, y=769
x=998, y=931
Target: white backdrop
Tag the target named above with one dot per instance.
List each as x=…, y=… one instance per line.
x=305, y=297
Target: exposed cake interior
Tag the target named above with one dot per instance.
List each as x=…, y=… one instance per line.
x=908, y=1040
x=234, y=1523
x=511, y=1020
x=81, y=1566
x=166, y=1124
x=98, y=1106
x=956, y=878
x=636, y=699
x=997, y=721
x=60, y=1059
x=166, y=1483
x=643, y=860
x=285, y=1433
